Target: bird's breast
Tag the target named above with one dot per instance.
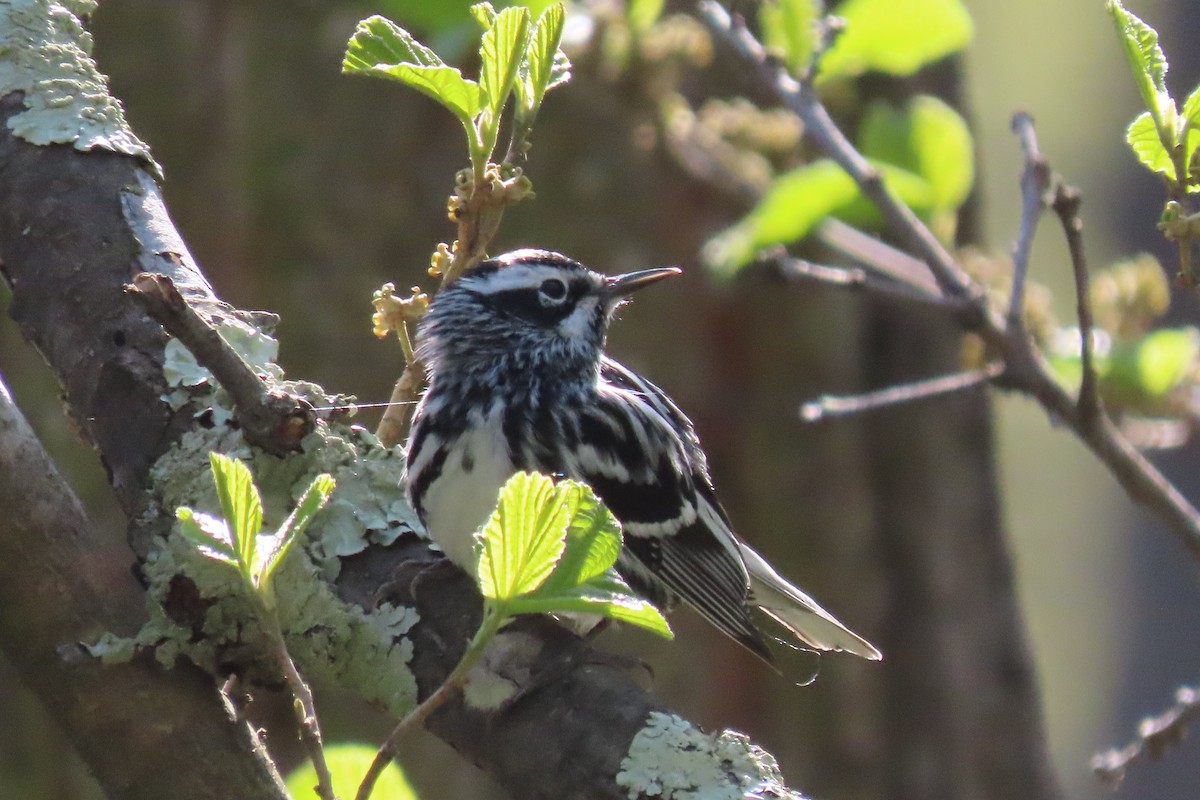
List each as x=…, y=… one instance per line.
x=463, y=496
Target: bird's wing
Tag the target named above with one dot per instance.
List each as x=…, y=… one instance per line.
x=640, y=455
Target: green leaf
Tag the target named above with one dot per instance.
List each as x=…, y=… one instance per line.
x=895, y=36
x=609, y=597
x=1149, y=67
x=208, y=534
x=240, y=503
x=377, y=41
x=643, y=13
x=484, y=14
x=545, y=65
x=444, y=84
x=593, y=540
x=1191, y=127
x=797, y=201
x=524, y=538
x=1143, y=139
x=273, y=549
x=504, y=44
x=790, y=27
x=1157, y=363
x=927, y=138
x=348, y=762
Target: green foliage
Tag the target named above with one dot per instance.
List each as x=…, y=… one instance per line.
x=1162, y=138
x=515, y=53
x=789, y=27
x=238, y=539
x=348, y=762
x=643, y=13
x=1136, y=376
x=924, y=152
x=894, y=36
x=550, y=548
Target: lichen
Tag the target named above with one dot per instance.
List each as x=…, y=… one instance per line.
x=45, y=53
x=673, y=759
x=218, y=624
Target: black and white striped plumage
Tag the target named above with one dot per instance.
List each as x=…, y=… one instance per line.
x=518, y=381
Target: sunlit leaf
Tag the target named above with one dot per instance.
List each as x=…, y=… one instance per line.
x=606, y=596
x=273, y=549
x=1158, y=362
x=501, y=51
x=1144, y=140
x=379, y=42
x=643, y=13
x=929, y=139
x=545, y=65
x=894, y=36
x=240, y=503
x=208, y=534
x=790, y=28
x=797, y=201
x=348, y=762
x=593, y=540
x=524, y=538
x=1149, y=67
x=444, y=84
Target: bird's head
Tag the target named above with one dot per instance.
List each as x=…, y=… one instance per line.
x=540, y=308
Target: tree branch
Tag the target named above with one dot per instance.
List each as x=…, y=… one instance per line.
x=146, y=732
x=75, y=227
x=1155, y=736
x=1026, y=369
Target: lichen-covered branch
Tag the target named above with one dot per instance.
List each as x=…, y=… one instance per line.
x=75, y=228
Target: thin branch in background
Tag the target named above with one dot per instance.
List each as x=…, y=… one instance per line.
x=829, y=406
x=1066, y=203
x=1025, y=368
x=1155, y=736
x=1035, y=181
x=877, y=255
x=854, y=278
x=274, y=421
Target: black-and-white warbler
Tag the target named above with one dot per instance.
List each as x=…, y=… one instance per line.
x=518, y=380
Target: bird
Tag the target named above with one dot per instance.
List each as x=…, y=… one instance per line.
x=518, y=380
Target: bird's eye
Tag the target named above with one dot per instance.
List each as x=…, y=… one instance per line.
x=553, y=289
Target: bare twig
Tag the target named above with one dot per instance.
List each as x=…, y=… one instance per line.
x=855, y=278
x=305, y=707
x=830, y=406
x=878, y=255
x=1155, y=736
x=1067, y=200
x=1035, y=181
x=272, y=420
x=1026, y=369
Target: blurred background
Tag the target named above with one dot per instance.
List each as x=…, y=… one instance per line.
x=301, y=191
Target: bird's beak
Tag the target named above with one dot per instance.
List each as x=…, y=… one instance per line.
x=624, y=285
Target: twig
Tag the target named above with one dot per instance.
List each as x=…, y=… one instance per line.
x=855, y=278
x=1026, y=369
x=272, y=420
x=830, y=406
x=305, y=707
x=1035, y=181
x=1155, y=736
x=878, y=255
x=1067, y=200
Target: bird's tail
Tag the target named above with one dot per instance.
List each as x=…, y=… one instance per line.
x=799, y=613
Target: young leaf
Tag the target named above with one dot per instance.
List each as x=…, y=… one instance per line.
x=379, y=42
x=275, y=548
x=1149, y=67
x=1143, y=139
x=484, y=14
x=504, y=44
x=789, y=26
x=593, y=540
x=929, y=139
x=795, y=204
x=524, y=538
x=208, y=534
x=895, y=36
x=442, y=83
x=545, y=66
x=1156, y=363
x=240, y=503
x=606, y=596
x=1191, y=127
